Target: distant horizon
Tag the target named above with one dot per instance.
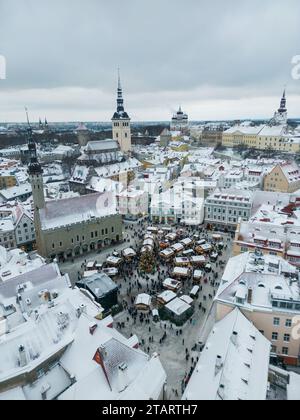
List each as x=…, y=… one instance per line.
x=142, y=121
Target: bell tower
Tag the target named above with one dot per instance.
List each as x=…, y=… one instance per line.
x=35, y=172
x=121, y=123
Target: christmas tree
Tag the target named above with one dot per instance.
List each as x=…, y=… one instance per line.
x=147, y=262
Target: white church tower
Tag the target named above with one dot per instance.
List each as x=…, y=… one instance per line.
x=121, y=123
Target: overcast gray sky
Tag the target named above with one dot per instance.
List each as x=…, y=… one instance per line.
x=218, y=59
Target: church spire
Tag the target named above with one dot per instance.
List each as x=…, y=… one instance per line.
x=34, y=167
x=120, y=100
x=120, y=113
x=283, y=108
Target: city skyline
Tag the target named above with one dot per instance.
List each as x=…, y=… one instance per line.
x=233, y=70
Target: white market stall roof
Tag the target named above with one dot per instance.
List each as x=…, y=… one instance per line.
x=187, y=299
x=178, y=306
x=182, y=260
x=195, y=290
x=177, y=247
x=198, y=274
x=186, y=242
x=129, y=252
x=174, y=284
x=143, y=299
x=198, y=259
x=167, y=296
x=167, y=252
x=181, y=271
x=114, y=260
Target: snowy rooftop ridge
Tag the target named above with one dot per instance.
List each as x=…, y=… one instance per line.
x=234, y=363
x=83, y=209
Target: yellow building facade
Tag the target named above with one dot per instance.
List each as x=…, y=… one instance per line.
x=7, y=181
x=283, y=178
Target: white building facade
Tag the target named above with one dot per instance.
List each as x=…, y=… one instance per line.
x=227, y=207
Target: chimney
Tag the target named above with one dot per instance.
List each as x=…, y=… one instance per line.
x=83, y=308
x=22, y=356
x=221, y=392
x=103, y=352
x=250, y=294
x=123, y=377
x=234, y=338
x=93, y=328
x=219, y=365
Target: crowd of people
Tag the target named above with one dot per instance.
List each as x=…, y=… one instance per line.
x=157, y=336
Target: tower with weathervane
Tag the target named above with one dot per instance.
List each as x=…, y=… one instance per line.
x=121, y=123
x=35, y=173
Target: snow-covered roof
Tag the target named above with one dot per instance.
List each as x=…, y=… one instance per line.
x=227, y=370
x=102, y=145
x=99, y=284
x=80, y=174
x=6, y=225
x=129, y=252
x=126, y=373
x=16, y=262
x=167, y=296
x=181, y=271
x=15, y=192
x=265, y=275
x=187, y=299
x=57, y=214
x=143, y=299
x=118, y=168
x=178, y=306
x=171, y=283
x=246, y=130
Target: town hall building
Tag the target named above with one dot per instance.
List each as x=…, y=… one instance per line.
x=74, y=226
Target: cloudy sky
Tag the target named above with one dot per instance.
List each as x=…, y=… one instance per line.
x=218, y=59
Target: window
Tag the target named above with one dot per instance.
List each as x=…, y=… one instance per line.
x=276, y=321
x=288, y=323
x=285, y=351
x=273, y=349
x=287, y=338
x=274, y=336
